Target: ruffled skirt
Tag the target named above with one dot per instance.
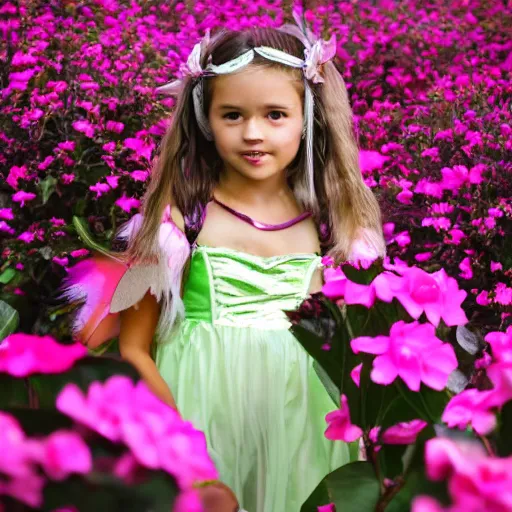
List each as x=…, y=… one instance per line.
x=256, y=396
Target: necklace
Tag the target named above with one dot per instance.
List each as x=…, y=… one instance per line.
x=262, y=225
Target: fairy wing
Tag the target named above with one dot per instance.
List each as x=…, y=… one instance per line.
x=106, y=285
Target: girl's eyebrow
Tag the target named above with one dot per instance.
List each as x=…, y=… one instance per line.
x=281, y=107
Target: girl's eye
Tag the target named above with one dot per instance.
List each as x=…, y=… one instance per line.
x=276, y=115
x=279, y=113
x=227, y=116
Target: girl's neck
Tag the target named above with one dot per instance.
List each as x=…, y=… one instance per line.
x=240, y=190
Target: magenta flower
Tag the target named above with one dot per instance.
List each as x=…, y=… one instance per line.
x=435, y=294
x=327, y=508
x=403, y=433
x=501, y=378
x=127, y=203
x=65, y=453
x=17, y=462
x=411, y=352
x=130, y=414
x=25, y=354
x=470, y=407
x=501, y=344
x=339, y=426
x=22, y=197
x=476, y=482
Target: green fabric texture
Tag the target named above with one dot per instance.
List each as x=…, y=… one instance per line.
x=239, y=375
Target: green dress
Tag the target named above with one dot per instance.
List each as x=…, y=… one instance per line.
x=239, y=375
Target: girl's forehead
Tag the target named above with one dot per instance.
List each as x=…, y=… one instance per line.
x=256, y=85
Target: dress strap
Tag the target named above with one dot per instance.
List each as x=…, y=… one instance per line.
x=262, y=225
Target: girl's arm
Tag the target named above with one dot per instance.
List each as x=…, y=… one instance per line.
x=138, y=326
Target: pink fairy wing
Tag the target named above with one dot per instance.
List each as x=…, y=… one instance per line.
x=108, y=286
x=94, y=280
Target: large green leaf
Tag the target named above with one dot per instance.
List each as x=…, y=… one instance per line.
x=102, y=491
x=81, y=228
x=352, y=488
x=9, y=320
x=85, y=371
x=37, y=422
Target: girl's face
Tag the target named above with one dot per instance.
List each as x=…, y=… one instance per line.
x=256, y=110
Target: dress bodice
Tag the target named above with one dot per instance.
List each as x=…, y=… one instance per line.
x=230, y=287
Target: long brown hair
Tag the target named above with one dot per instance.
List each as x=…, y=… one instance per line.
x=188, y=166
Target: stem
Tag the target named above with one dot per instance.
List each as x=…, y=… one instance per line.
x=487, y=445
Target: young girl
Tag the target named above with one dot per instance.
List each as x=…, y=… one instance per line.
x=258, y=176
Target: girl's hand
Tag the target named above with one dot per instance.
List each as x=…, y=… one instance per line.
x=218, y=497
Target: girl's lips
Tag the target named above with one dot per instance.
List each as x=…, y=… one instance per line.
x=255, y=160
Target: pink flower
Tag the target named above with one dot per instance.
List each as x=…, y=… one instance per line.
x=114, y=126
x=17, y=463
x=22, y=197
x=65, y=453
x=411, y=352
x=465, y=266
x=501, y=344
x=435, y=294
x=127, y=204
x=403, y=433
x=355, y=374
x=25, y=354
x=427, y=504
x=327, y=508
x=15, y=174
x=84, y=127
x=501, y=377
x=339, y=426
x=140, y=147
x=6, y=214
x=476, y=482
x=61, y=261
x=470, y=407
x=99, y=188
x=79, y=253
x=335, y=283
x=129, y=413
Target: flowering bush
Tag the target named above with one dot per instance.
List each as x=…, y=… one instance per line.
x=98, y=438
x=381, y=341
x=430, y=89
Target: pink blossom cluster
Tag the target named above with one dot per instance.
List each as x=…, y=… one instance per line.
x=435, y=131
x=476, y=482
x=478, y=408
x=437, y=295
x=26, y=354
x=128, y=413
x=341, y=428
x=60, y=454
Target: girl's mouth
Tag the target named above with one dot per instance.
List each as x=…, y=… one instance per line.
x=254, y=157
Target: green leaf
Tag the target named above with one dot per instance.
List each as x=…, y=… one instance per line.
x=7, y=275
x=37, y=422
x=47, y=187
x=9, y=320
x=13, y=392
x=352, y=488
x=81, y=228
x=332, y=389
x=85, y=371
x=102, y=491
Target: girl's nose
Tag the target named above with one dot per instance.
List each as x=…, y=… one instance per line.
x=252, y=130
